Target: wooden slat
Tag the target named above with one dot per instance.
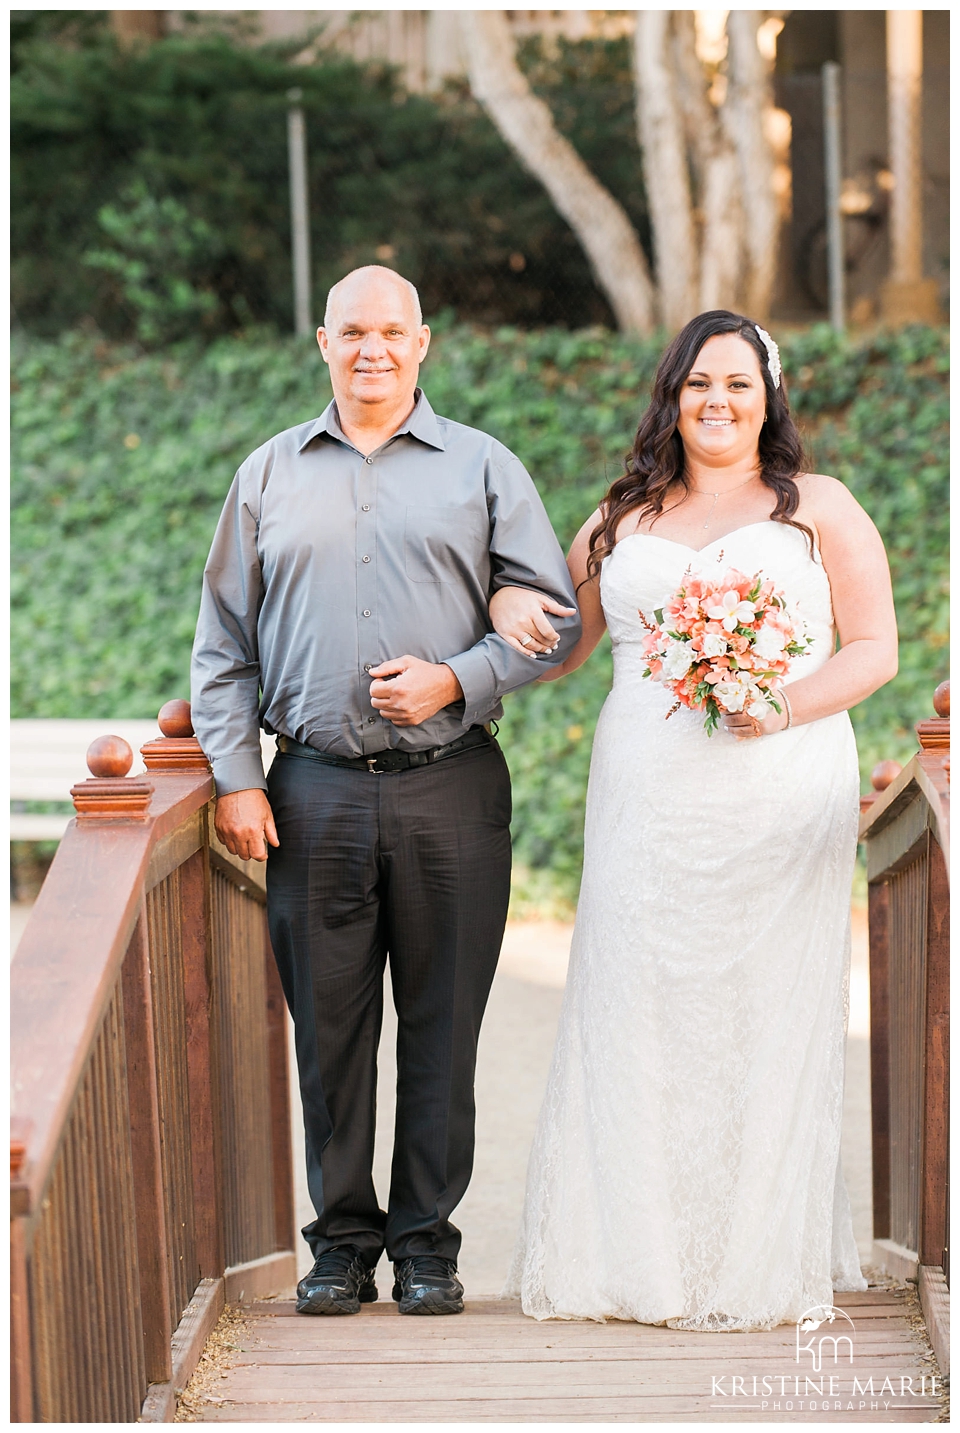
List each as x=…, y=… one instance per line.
x=879, y=918
x=280, y=1133
x=933, y=1179
x=21, y=1361
x=207, y=1197
x=242, y=1052
x=165, y=934
x=145, y=1146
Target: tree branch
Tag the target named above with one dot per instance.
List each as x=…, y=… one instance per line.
x=525, y=122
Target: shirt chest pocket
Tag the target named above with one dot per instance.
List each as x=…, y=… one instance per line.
x=444, y=544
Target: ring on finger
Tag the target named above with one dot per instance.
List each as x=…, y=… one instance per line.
x=525, y=640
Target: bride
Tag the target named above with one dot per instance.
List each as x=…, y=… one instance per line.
x=686, y=1165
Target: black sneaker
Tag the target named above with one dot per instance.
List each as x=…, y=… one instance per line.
x=338, y=1283
x=427, y=1284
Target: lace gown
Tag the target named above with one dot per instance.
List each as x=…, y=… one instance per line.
x=686, y=1165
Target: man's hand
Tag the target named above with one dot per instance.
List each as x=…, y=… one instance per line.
x=242, y=820
x=408, y=691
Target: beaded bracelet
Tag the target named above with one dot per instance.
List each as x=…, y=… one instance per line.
x=782, y=694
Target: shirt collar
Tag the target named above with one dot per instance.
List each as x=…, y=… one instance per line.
x=421, y=424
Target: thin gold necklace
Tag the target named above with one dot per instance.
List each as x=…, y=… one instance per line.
x=705, y=493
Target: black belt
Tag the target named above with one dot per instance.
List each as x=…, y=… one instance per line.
x=385, y=761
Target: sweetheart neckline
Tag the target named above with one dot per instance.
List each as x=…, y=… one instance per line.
x=745, y=527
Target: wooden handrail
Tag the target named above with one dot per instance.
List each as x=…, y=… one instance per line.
x=69, y=956
x=150, y=1108
x=905, y=829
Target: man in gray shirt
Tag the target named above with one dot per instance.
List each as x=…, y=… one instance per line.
x=345, y=608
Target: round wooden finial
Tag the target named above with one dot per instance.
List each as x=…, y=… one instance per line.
x=174, y=718
x=883, y=773
x=109, y=756
x=941, y=700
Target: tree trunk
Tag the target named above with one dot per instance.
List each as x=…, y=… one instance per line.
x=525, y=122
x=745, y=112
x=716, y=175
x=133, y=27
x=661, y=132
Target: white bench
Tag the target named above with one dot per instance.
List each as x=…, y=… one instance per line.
x=47, y=757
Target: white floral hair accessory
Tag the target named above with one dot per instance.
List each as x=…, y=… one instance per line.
x=773, y=355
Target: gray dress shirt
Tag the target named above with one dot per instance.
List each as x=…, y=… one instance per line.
x=326, y=563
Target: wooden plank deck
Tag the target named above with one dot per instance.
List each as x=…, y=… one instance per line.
x=493, y=1365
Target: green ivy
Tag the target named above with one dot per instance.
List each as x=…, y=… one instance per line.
x=122, y=460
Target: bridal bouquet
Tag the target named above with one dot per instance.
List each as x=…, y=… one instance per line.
x=722, y=644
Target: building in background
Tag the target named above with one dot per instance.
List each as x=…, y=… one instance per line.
x=856, y=40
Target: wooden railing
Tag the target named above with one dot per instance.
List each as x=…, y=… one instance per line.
x=150, y=1156
x=905, y=828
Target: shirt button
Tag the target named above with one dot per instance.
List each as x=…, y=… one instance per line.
x=370, y=721
x=367, y=666
x=366, y=611
x=369, y=460
x=366, y=507
x=366, y=559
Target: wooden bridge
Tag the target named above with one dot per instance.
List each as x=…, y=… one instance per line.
x=151, y=1180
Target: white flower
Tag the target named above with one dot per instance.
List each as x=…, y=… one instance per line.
x=678, y=660
x=714, y=645
x=731, y=609
x=770, y=643
x=731, y=695
x=758, y=709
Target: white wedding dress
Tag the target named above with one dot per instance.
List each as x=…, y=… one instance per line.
x=686, y=1165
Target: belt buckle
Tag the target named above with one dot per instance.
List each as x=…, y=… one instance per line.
x=372, y=766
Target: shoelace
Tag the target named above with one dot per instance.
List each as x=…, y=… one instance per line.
x=333, y=1261
x=430, y=1265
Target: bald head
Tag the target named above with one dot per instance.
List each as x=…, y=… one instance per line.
x=374, y=340
x=370, y=283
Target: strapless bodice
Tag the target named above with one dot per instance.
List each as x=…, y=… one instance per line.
x=644, y=570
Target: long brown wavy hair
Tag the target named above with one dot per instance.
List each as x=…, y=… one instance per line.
x=656, y=459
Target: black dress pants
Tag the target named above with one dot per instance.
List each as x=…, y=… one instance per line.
x=413, y=865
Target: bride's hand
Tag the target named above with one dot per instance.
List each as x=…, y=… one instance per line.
x=518, y=616
x=745, y=728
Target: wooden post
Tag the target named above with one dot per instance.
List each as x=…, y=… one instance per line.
x=907, y=296
x=281, y=1147
x=145, y=1148
x=879, y=921
x=178, y=750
